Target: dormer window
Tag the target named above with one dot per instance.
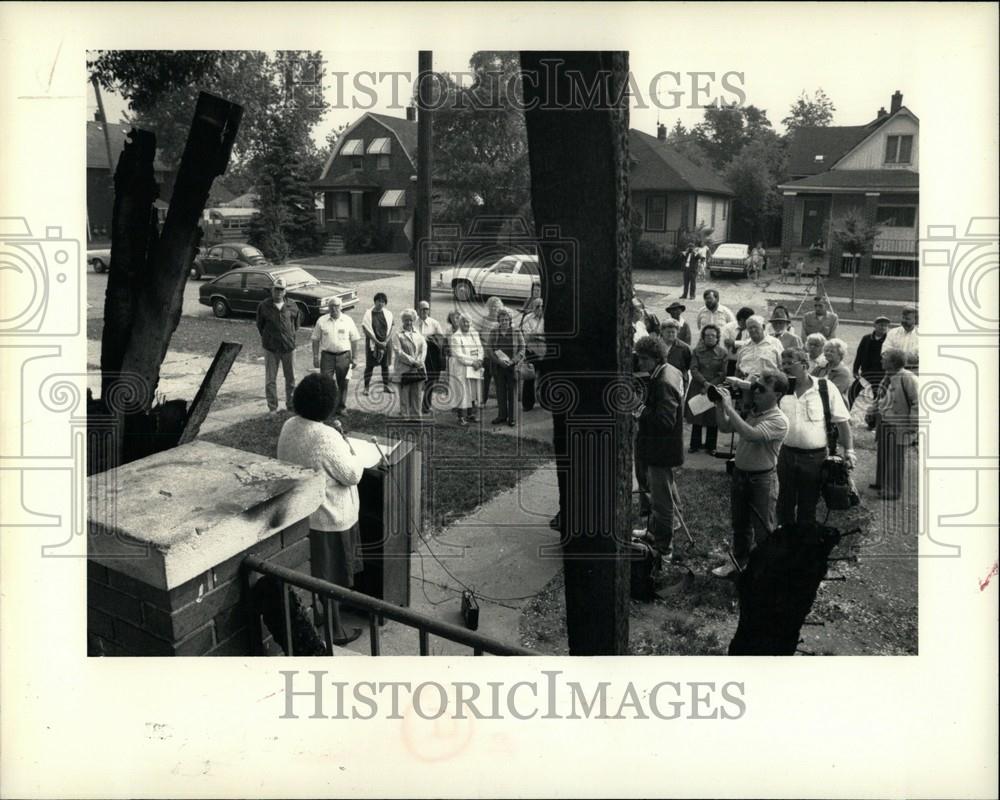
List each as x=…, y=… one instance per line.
x=818, y=158
x=898, y=149
x=353, y=147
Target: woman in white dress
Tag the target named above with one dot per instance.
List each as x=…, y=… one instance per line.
x=467, y=356
x=409, y=352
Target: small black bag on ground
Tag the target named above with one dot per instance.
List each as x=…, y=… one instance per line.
x=642, y=560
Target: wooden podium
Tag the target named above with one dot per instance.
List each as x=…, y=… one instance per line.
x=389, y=494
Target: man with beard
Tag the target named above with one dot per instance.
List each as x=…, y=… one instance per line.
x=712, y=313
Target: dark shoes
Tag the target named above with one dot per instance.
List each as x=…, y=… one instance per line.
x=511, y=423
x=498, y=421
x=349, y=637
x=694, y=448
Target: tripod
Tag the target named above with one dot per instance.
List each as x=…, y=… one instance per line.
x=815, y=288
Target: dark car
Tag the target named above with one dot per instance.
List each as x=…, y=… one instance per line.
x=241, y=290
x=221, y=258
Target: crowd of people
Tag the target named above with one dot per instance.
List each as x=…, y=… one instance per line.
x=785, y=396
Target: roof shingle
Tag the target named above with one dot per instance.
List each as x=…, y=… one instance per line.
x=859, y=179
x=658, y=166
x=831, y=143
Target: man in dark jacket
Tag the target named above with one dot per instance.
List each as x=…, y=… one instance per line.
x=277, y=323
x=868, y=360
x=660, y=443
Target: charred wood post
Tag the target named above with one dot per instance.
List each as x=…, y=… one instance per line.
x=578, y=153
x=214, y=378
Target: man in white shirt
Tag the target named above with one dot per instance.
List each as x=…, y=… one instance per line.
x=905, y=338
x=760, y=353
x=806, y=444
x=335, y=342
x=712, y=312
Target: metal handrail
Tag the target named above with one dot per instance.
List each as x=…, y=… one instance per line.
x=378, y=609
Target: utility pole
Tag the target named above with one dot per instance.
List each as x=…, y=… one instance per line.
x=422, y=223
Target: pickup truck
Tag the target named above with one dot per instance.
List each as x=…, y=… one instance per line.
x=99, y=259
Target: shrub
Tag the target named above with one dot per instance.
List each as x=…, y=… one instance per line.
x=649, y=255
x=365, y=237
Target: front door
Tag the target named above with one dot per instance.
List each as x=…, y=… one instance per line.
x=815, y=215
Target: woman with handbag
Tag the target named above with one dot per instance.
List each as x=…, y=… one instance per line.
x=708, y=368
x=533, y=330
x=409, y=351
x=894, y=416
x=466, y=367
x=505, y=351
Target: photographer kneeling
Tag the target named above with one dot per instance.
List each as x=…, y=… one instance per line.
x=761, y=435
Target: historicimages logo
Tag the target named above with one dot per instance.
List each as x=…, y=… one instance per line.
x=41, y=281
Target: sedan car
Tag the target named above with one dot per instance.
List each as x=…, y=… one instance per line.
x=223, y=257
x=242, y=289
x=511, y=277
x=729, y=258
x=99, y=259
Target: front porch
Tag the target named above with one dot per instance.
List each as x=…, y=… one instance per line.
x=387, y=211
x=810, y=218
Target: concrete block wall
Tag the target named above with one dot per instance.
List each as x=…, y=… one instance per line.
x=206, y=615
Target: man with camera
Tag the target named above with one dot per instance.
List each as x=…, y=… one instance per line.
x=809, y=404
x=761, y=435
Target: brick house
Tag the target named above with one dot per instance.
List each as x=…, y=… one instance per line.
x=672, y=193
x=369, y=178
x=873, y=168
x=100, y=177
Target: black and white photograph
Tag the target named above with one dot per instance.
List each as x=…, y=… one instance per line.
x=418, y=341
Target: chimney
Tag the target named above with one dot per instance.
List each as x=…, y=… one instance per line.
x=411, y=113
x=897, y=102
x=661, y=131
x=882, y=113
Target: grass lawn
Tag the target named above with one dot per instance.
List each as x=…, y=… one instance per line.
x=872, y=612
x=464, y=467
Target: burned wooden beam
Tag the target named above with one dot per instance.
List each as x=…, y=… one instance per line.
x=214, y=378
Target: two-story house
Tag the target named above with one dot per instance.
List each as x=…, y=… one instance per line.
x=368, y=178
x=873, y=168
x=672, y=193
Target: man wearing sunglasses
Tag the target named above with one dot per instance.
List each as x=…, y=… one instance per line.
x=753, y=478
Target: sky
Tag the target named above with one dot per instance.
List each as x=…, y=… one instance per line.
x=858, y=80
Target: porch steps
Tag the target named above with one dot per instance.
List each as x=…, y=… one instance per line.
x=334, y=246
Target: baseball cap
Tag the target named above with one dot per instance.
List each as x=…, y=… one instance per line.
x=882, y=318
x=279, y=283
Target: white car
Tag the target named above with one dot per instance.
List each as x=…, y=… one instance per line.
x=99, y=259
x=729, y=258
x=511, y=277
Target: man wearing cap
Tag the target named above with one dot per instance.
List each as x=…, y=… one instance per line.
x=868, y=360
x=430, y=329
x=820, y=319
x=277, y=324
x=905, y=338
x=675, y=310
x=335, y=342
x=781, y=328
x=713, y=313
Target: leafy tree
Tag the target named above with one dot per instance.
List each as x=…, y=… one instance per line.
x=687, y=144
x=754, y=176
x=480, y=143
x=727, y=129
x=855, y=235
x=816, y=111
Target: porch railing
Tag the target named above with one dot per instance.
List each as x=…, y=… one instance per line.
x=376, y=610
x=668, y=237
x=902, y=247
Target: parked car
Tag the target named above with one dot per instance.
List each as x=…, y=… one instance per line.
x=99, y=259
x=511, y=277
x=729, y=258
x=223, y=257
x=241, y=290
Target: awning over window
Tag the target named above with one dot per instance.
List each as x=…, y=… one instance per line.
x=353, y=147
x=394, y=198
x=380, y=147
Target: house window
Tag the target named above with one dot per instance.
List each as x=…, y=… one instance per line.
x=382, y=162
x=713, y=213
x=818, y=158
x=353, y=147
x=725, y=208
x=898, y=149
x=394, y=214
x=656, y=213
x=358, y=163
x=897, y=216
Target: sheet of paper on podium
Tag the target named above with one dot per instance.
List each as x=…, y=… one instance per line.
x=370, y=453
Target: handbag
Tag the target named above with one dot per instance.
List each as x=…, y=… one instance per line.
x=414, y=375
x=836, y=485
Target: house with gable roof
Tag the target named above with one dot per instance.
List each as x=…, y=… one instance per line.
x=369, y=178
x=672, y=193
x=873, y=168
